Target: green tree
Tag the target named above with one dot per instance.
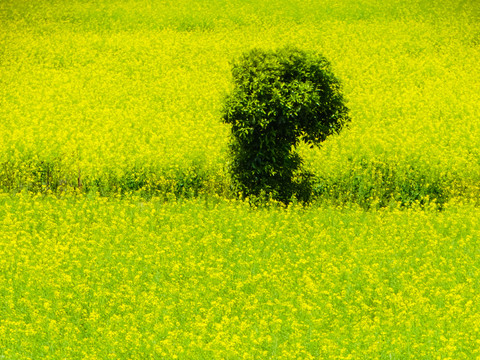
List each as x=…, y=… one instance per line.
x=279, y=99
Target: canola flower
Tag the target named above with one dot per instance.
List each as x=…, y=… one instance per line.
x=214, y=279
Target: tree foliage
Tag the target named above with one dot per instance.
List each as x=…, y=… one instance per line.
x=279, y=99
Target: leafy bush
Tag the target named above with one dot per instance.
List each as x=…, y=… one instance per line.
x=279, y=99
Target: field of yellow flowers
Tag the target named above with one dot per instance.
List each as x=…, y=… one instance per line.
x=120, y=237
x=123, y=95
x=106, y=278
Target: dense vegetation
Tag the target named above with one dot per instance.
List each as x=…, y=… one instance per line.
x=123, y=96
x=121, y=238
x=100, y=278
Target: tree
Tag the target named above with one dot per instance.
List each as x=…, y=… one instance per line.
x=279, y=99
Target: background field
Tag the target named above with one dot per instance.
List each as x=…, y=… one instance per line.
x=110, y=122
x=127, y=94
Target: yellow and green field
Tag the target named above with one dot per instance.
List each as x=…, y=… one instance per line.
x=120, y=236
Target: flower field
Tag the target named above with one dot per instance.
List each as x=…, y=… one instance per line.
x=100, y=278
x=121, y=237
x=125, y=95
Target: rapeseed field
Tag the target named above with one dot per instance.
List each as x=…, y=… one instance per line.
x=127, y=95
x=106, y=278
x=121, y=237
